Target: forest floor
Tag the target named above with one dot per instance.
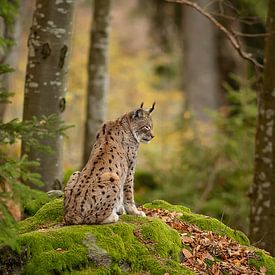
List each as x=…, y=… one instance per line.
x=206, y=252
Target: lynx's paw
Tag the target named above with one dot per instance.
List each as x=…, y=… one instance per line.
x=111, y=219
x=121, y=210
x=131, y=209
x=141, y=213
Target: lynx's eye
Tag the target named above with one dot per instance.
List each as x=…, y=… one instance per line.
x=147, y=128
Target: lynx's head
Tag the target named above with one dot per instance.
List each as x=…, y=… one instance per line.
x=141, y=124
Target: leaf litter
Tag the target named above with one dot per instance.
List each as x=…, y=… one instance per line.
x=206, y=252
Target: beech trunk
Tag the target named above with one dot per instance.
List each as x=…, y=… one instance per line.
x=98, y=79
x=45, y=83
x=200, y=63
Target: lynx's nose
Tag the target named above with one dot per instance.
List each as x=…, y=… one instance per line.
x=152, y=136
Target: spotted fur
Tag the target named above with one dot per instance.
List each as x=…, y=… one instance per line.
x=104, y=188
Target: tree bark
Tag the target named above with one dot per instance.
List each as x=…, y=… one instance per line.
x=46, y=76
x=200, y=63
x=162, y=24
x=229, y=61
x=10, y=56
x=262, y=218
x=98, y=81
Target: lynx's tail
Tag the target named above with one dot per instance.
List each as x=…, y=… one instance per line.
x=69, y=189
x=69, y=216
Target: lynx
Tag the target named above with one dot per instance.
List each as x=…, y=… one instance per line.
x=103, y=190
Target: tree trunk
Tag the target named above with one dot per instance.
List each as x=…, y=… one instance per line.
x=10, y=56
x=161, y=23
x=98, y=73
x=200, y=63
x=229, y=61
x=45, y=83
x=262, y=219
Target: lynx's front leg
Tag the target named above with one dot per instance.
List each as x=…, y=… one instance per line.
x=128, y=196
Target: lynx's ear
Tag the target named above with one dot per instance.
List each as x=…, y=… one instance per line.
x=152, y=108
x=139, y=113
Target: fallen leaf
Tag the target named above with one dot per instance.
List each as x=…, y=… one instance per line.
x=209, y=257
x=187, y=239
x=262, y=270
x=187, y=254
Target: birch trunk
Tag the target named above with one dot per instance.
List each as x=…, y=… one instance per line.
x=200, y=62
x=98, y=73
x=46, y=76
x=262, y=219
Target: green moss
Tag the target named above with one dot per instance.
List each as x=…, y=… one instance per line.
x=66, y=249
x=48, y=215
x=262, y=259
x=157, y=230
x=55, y=250
x=203, y=222
x=30, y=199
x=121, y=243
x=131, y=246
x=90, y=271
x=165, y=205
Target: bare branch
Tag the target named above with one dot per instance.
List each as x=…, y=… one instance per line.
x=251, y=34
x=246, y=20
x=231, y=36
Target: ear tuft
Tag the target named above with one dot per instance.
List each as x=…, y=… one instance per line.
x=141, y=105
x=152, y=108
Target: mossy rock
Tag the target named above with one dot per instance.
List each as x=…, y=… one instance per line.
x=48, y=215
x=134, y=245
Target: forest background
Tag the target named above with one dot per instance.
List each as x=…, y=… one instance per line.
x=203, y=152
